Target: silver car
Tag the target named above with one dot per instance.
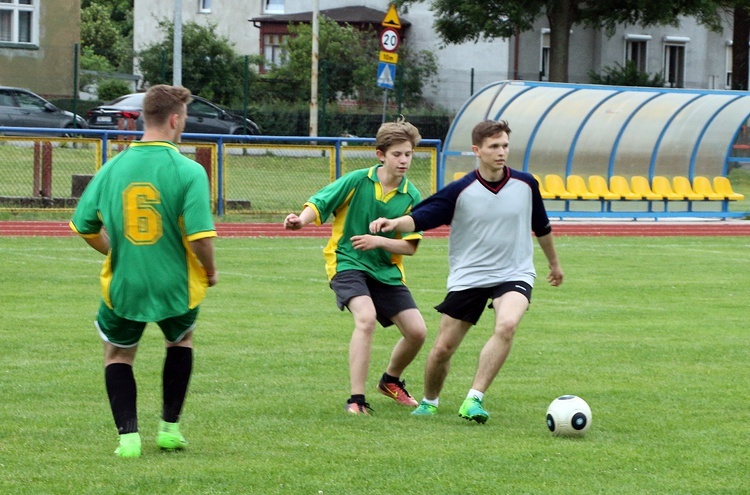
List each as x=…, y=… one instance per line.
x=22, y=108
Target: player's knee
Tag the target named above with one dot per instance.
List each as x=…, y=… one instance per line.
x=506, y=329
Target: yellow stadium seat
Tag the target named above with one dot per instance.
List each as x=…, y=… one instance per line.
x=545, y=193
x=660, y=185
x=576, y=185
x=556, y=187
x=702, y=185
x=641, y=187
x=598, y=186
x=619, y=186
x=682, y=186
x=724, y=187
x=458, y=175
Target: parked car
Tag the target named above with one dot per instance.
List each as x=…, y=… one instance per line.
x=22, y=108
x=203, y=116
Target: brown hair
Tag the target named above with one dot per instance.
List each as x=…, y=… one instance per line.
x=487, y=129
x=162, y=100
x=392, y=133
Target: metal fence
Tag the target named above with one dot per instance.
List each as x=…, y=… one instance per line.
x=260, y=176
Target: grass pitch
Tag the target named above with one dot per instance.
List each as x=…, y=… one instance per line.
x=652, y=332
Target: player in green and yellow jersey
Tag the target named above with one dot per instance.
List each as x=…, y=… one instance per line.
x=365, y=271
x=148, y=211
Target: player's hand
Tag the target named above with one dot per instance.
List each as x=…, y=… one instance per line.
x=555, y=276
x=292, y=222
x=213, y=279
x=365, y=242
x=382, y=225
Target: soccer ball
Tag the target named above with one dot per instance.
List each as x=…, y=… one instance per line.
x=568, y=416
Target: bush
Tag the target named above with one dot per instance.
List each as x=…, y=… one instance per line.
x=629, y=75
x=294, y=120
x=109, y=89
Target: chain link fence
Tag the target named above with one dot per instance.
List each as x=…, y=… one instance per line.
x=260, y=178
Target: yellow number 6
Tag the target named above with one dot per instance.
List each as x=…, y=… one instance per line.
x=143, y=223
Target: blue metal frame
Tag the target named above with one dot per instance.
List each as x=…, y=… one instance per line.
x=219, y=139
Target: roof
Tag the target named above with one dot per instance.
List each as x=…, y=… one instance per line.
x=349, y=15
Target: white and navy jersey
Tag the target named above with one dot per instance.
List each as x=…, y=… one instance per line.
x=491, y=224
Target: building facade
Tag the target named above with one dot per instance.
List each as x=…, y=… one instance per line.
x=38, y=40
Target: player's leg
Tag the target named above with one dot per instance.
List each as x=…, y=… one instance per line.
x=509, y=309
x=414, y=332
x=451, y=334
x=352, y=292
x=360, y=346
x=178, y=368
x=120, y=338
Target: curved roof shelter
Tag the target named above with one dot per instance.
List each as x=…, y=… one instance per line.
x=606, y=130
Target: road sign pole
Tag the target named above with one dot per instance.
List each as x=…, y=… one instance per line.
x=385, y=104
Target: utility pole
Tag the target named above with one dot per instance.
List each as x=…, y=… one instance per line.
x=314, y=71
x=177, y=48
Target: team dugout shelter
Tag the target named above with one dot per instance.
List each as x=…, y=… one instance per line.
x=568, y=134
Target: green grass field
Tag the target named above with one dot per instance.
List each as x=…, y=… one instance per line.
x=652, y=332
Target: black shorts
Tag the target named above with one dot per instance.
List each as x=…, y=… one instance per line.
x=468, y=305
x=389, y=300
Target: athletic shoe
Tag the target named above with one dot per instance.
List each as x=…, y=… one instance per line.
x=169, y=437
x=472, y=410
x=425, y=409
x=357, y=407
x=130, y=445
x=397, y=391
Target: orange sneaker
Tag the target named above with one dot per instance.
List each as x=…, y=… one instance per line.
x=397, y=391
x=357, y=407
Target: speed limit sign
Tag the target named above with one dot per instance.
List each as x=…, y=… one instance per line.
x=389, y=40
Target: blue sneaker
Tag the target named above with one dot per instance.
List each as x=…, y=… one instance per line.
x=425, y=409
x=472, y=410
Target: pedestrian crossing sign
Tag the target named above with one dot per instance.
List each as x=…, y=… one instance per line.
x=386, y=75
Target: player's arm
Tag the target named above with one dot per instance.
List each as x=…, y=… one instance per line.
x=401, y=224
x=204, y=250
x=395, y=246
x=296, y=222
x=100, y=241
x=547, y=243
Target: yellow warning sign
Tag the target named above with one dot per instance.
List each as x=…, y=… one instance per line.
x=391, y=18
x=391, y=58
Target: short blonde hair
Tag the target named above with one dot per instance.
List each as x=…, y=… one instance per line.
x=162, y=100
x=392, y=133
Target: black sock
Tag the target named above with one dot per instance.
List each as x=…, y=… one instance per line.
x=356, y=398
x=390, y=379
x=178, y=365
x=121, y=390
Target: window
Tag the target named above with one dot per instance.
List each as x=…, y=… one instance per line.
x=674, y=61
x=272, y=49
x=636, y=50
x=544, y=56
x=274, y=7
x=19, y=21
x=204, y=6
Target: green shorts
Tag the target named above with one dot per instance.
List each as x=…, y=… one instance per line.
x=122, y=332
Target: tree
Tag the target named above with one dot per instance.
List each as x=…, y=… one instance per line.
x=210, y=66
x=458, y=20
x=348, y=65
x=627, y=75
x=740, y=38
x=107, y=31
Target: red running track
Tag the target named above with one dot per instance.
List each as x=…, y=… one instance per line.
x=630, y=228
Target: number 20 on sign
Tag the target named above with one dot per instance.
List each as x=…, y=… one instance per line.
x=389, y=40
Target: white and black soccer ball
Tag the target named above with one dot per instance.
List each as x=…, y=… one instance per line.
x=568, y=416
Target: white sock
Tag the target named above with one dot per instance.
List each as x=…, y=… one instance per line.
x=432, y=402
x=475, y=393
